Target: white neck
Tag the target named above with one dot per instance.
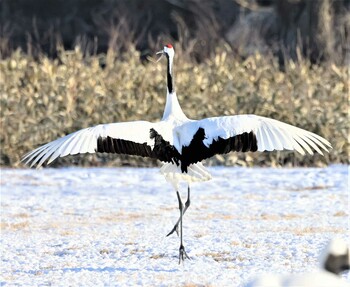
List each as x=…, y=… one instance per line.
x=172, y=108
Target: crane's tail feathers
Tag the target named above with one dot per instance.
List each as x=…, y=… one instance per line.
x=195, y=172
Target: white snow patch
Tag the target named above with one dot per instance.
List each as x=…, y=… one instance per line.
x=107, y=226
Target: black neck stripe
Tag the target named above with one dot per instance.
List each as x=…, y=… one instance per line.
x=169, y=77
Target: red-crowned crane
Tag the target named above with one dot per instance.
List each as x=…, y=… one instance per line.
x=181, y=143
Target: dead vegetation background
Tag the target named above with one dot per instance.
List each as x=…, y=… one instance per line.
x=58, y=75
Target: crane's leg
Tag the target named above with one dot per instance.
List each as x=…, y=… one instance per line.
x=182, y=252
x=187, y=204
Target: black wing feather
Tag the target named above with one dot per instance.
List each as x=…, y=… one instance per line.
x=162, y=149
x=197, y=151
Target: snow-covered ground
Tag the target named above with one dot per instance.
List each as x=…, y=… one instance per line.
x=107, y=226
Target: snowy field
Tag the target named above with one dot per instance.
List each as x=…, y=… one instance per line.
x=107, y=226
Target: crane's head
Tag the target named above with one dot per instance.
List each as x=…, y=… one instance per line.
x=168, y=51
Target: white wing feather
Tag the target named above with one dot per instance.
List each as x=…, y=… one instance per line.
x=271, y=134
x=85, y=140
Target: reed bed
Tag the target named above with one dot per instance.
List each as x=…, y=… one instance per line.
x=44, y=98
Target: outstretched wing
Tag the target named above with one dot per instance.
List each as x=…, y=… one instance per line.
x=204, y=138
x=140, y=138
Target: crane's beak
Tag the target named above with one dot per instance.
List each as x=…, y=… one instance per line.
x=161, y=53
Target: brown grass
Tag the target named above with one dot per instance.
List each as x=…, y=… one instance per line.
x=316, y=187
x=44, y=99
x=14, y=226
x=195, y=285
x=311, y=230
x=220, y=256
x=340, y=214
x=157, y=256
x=22, y=215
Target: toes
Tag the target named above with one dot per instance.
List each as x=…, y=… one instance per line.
x=183, y=254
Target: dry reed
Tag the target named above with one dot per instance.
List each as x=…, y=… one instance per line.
x=42, y=99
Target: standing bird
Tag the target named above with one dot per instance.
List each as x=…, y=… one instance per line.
x=334, y=259
x=181, y=143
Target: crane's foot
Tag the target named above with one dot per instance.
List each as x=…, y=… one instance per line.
x=182, y=254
